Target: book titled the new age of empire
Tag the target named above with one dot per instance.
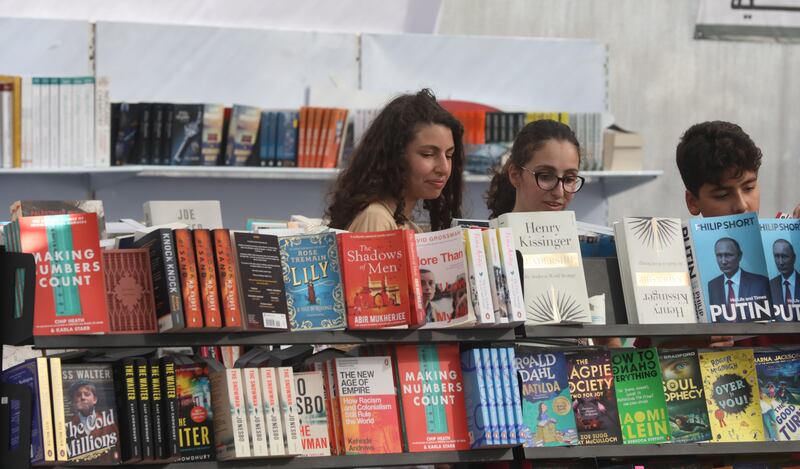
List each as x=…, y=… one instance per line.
x=554, y=284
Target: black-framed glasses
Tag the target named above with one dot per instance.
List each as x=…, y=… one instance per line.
x=571, y=183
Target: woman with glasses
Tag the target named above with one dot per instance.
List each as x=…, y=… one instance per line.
x=542, y=172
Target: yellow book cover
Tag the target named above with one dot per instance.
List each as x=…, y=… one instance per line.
x=731, y=389
x=16, y=120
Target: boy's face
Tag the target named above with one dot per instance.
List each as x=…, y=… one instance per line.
x=731, y=196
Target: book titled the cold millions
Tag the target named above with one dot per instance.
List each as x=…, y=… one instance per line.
x=683, y=391
x=640, y=396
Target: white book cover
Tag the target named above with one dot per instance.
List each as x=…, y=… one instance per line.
x=508, y=260
x=36, y=124
x=291, y=424
x=272, y=411
x=231, y=438
x=656, y=272
x=479, y=289
x=77, y=129
x=194, y=213
x=312, y=413
x=45, y=409
x=54, y=161
x=698, y=299
x=44, y=124
x=102, y=123
x=87, y=156
x=27, y=121
x=553, y=280
x=259, y=446
x=7, y=130
x=497, y=278
x=443, y=275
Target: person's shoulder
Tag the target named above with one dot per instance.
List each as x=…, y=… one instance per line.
x=753, y=276
x=375, y=217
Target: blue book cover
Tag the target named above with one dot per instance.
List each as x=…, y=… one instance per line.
x=781, y=240
x=499, y=397
x=286, y=138
x=266, y=138
x=476, y=400
x=779, y=387
x=732, y=271
x=517, y=400
x=26, y=374
x=488, y=381
x=187, y=128
x=312, y=278
x=508, y=401
x=546, y=400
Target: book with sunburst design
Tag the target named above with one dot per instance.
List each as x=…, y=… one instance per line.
x=655, y=278
x=553, y=282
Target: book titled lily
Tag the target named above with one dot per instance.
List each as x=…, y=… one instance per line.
x=312, y=278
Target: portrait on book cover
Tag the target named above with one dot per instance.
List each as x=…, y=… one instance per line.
x=444, y=295
x=784, y=277
x=735, y=284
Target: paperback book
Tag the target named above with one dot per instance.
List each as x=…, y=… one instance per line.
x=591, y=384
x=257, y=260
x=685, y=396
x=195, y=417
x=781, y=240
x=312, y=413
x=476, y=400
x=779, y=384
x=640, y=396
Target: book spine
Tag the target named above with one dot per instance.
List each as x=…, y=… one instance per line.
x=171, y=405
x=497, y=281
x=476, y=399
x=145, y=134
x=336, y=407
x=700, y=309
x=157, y=398
x=228, y=285
x=515, y=394
x=416, y=310
x=491, y=398
x=59, y=421
x=175, y=320
x=129, y=424
x=508, y=400
x=238, y=409
x=67, y=117
x=45, y=409
x=207, y=274
x=145, y=410
x=508, y=258
x=478, y=277
x=255, y=407
x=188, y=272
x=287, y=394
x=324, y=368
x=272, y=412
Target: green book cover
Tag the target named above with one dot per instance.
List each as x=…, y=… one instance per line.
x=640, y=396
x=686, y=400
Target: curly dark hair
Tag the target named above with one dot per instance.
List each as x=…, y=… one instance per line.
x=378, y=168
x=501, y=196
x=707, y=151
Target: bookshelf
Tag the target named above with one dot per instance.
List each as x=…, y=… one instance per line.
x=639, y=451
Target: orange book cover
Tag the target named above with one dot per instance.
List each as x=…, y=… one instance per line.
x=334, y=139
x=321, y=146
x=368, y=405
x=302, y=137
x=416, y=317
x=226, y=280
x=313, y=140
x=376, y=280
x=207, y=277
x=187, y=268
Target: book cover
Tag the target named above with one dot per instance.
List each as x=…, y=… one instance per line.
x=443, y=274
x=126, y=118
x=231, y=435
x=368, y=405
x=266, y=138
x=286, y=134
x=512, y=288
x=90, y=414
x=195, y=417
x=272, y=411
x=779, y=384
x=653, y=265
x=496, y=427
x=211, y=141
x=228, y=285
x=312, y=413
x=781, y=240
x=516, y=399
x=129, y=291
x=553, y=280
x=494, y=377
x=475, y=400
x=157, y=134
x=143, y=145
x=187, y=268
x=166, y=134
x=257, y=259
x=732, y=395
x=479, y=292
x=171, y=405
x=497, y=277
x=311, y=276
x=187, y=127
x=70, y=292
x=207, y=277
x=547, y=414
x=157, y=409
x=165, y=278
x=731, y=268
x=591, y=384
x=255, y=412
x=287, y=395
x=640, y=396
x=432, y=397
x=242, y=134
x=27, y=374
x=127, y=404
x=683, y=391
x=193, y=213
x=145, y=408
x=374, y=267
x=37, y=208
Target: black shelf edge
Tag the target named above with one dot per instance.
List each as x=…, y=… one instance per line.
x=385, y=336
x=365, y=460
x=694, y=449
x=658, y=330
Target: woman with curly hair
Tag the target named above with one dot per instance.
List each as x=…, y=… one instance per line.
x=412, y=151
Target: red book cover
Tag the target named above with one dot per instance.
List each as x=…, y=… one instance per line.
x=417, y=316
x=226, y=274
x=70, y=292
x=207, y=276
x=432, y=391
x=129, y=291
x=376, y=283
x=187, y=267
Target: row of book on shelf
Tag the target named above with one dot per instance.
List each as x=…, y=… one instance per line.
x=519, y=268
x=107, y=408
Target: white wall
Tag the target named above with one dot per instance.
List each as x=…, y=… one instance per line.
x=661, y=81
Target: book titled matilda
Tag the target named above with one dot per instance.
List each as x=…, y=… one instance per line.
x=553, y=281
x=732, y=395
x=591, y=384
x=640, y=396
x=781, y=241
x=70, y=292
x=548, y=419
x=654, y=274
x=368, y=404
x=727, y=269
x=432, y=397
x=311, y=276
x=779, y=383
x=90, y=414
x=683, y=391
